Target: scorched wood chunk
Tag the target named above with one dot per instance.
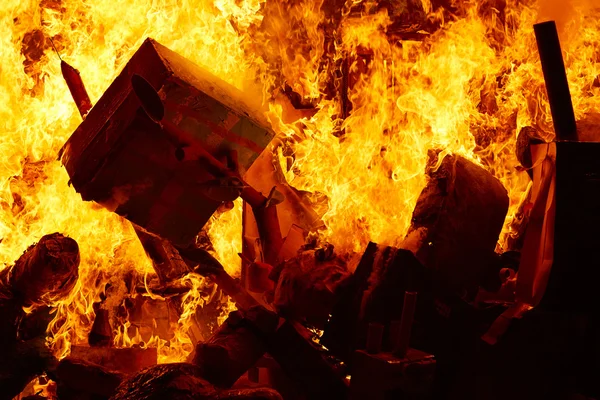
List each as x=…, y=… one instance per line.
x=236, y=346
x=306, y=286
x=121, y=158
x=167, y=262
x=182, y=382
x=47, y=271
x=456, y=224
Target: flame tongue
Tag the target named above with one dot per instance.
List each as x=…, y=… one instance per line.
x=467, y=87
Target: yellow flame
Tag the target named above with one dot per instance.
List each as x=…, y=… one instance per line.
x=467, y=88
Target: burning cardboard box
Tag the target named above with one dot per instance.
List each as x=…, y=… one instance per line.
x=148, y=171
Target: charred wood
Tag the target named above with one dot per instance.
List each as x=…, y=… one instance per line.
x=126, y=360
x=21, y=363
x=236, y=346
x=306, y=285
x=81, y=380
x=182, y=382
x=76, y=87
x=47, y=271
x=167, y=262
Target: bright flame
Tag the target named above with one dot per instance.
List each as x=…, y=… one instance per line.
x=467, y=88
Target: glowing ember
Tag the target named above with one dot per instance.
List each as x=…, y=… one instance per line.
x=468, y=88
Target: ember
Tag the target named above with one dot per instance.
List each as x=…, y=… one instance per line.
x=296, y=199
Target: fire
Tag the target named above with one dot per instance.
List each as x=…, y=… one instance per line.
x=467, y=88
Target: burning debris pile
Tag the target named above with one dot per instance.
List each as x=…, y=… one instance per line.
x=398, y=237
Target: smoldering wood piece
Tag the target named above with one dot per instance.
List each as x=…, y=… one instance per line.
x=374, y=293
x=457, y=221
x=47, y=271
x=181, y=381
x=306, y=364
x=126, y=360
x=306, y=285
x=236, y=346
x=77, y=379
x=124, y=160
x=167, y=263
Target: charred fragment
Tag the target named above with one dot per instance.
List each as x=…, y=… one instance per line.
x=306, y=285
x=46, y=272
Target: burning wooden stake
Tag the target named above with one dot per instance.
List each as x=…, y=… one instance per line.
x=373, y=294
x=167, y=262
x=75, y=85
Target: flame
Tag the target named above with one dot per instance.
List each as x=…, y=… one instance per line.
x=466, y=88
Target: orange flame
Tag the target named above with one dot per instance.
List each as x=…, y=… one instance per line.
x=467, y=88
